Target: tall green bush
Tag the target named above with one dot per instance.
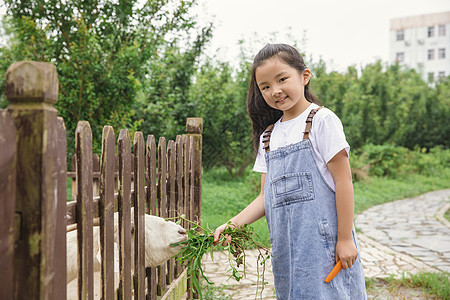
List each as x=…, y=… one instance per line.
x=387, y=104
x=396, y=161
x=219, y=96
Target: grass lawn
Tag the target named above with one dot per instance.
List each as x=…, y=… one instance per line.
x=223, y=196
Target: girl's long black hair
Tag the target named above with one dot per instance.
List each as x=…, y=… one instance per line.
x=260, y=113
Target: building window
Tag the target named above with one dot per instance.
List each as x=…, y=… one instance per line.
x=400, y=57
x=430, y=77
x=441, y=75
x=441, y=53
x=441, y=29
x=400, y=35
x=431, y=54
x=431, y=31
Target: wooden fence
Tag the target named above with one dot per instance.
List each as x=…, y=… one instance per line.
x=162, y=180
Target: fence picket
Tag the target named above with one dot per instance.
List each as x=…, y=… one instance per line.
x=151, y=206
x=179, y=188
x=106, y=211
x=162, y=204
x=139, y=221
x=60, y=290
x=186, y=195
x=124, y=209
x=7, y=202
x=171, y=188
x=83, y=142
x=194, y=128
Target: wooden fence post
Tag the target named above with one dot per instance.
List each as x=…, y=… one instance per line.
x=32, y=90
x=7, y=200
x=194, y=129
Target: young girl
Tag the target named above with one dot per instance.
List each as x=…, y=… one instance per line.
x=306, y=184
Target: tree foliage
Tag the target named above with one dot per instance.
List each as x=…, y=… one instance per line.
x=219, y=95
x=386, y=104
x=143, y=68
x=163, y=103
x=101, y=50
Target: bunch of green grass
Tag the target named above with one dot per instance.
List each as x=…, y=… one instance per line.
x=436, y=283
x=237, y=240
x=433, y=283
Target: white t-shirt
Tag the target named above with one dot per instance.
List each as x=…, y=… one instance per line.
x=327, y=138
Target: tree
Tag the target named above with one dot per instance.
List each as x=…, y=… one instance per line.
x=386, y=104
x=100, y=49
x=163, y=103
x=219, y=96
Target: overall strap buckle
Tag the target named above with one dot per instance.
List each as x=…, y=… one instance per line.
x=266, y=137
x=309, y=122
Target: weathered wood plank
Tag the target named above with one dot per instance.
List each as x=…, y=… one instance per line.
x=60, y=267
x=32, y=90
x=187, y=195
x=171, y=190
x=151, y=175
x=151, y=206
x=179, y=188
x=83, y=142
x=7, y=202
x=192, y=215
x=187, y=178
x=162, y=204
x=124, y=208
x=139, y=210
x=106, y=212
x=194, y=128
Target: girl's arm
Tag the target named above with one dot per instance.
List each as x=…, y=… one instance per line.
x=339, y=167
x=253, y=212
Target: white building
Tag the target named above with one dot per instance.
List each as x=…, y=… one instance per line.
x=423, y=43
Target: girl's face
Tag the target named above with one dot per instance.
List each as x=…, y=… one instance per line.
x=282, y=87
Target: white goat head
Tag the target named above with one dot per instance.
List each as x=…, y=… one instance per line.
x=160, y=235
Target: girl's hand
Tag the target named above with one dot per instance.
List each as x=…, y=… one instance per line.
x=219, y=230
x=346, y=252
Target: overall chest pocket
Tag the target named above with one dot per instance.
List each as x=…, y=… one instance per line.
x=292, y=188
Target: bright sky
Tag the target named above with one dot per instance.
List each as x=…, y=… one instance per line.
x=343, y=33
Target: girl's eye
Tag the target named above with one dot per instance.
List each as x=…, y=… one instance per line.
x=283, y=79
x=264, y=88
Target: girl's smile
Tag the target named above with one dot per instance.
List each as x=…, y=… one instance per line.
x=282, y=87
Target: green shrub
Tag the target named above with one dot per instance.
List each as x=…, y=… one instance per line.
x=396, y=161
x=432, y=162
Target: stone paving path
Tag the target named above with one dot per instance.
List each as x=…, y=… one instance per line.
x=402, y=236
x=412, y=228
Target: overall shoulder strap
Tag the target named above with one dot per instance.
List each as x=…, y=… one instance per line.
x=309, y=122
x=266, y=137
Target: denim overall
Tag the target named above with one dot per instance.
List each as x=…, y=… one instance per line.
x=301, y=214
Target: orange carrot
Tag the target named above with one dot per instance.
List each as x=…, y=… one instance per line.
x=334, y=272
